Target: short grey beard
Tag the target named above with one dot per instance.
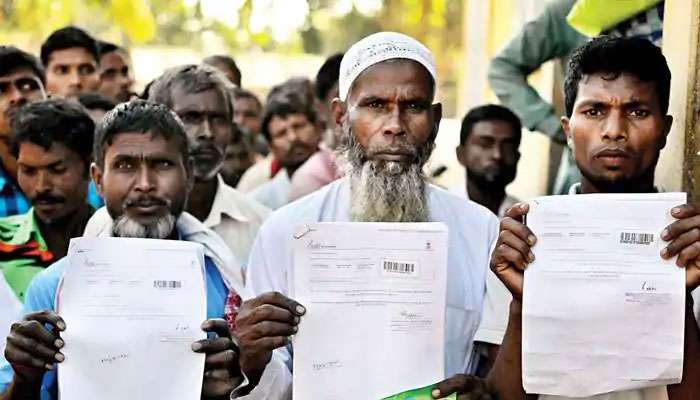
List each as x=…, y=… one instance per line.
x=385, y=191
x=126, y=227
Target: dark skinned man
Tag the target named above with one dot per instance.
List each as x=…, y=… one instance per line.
x=142, y=169
x=116, y=79
x=386, y=110
x=488, y=150
x=71, y=58
x=617, y=93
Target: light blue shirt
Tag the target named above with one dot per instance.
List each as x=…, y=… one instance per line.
x=41, y=295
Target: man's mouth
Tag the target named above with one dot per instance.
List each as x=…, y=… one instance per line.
x=613, y=158
x=394, y=155
x=146, y=206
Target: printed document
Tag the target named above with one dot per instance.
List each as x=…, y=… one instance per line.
x=602, y=311
x=133, y=308
x=375, y=299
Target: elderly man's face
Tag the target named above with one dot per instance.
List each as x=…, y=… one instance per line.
x=390, y=111
x=144, y=182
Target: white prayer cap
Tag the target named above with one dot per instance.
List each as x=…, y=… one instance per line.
x=380, y=47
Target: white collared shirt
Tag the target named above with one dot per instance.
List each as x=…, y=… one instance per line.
x=508, y=201
x=256, y=175
x=472, y=230
x=236, y=218
x=274, y=193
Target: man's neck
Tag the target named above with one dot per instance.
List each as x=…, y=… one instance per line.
x=57, y=235
x=490, y=197
x=645, y=185
x=8, y=161
x=202, y=198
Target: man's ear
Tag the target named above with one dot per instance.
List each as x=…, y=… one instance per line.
x=567, y=131
x=668, y=122
x=459, y=152
x=97, y=177
x=437, y=117
x=338, y=110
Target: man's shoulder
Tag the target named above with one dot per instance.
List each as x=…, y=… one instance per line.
x=244, y=204
x=11, y=224
x=460, y=206
x=255, y=176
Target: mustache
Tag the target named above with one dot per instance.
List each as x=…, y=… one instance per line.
x=146, y=201
x=48, y=198
x=613, y=151
x=204, y=149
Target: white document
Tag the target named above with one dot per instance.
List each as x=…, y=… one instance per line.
x=10, y=310
x=375, y=299
x=133, y=308
x=602, y=311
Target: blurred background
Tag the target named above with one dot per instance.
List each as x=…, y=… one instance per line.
x=272, y=40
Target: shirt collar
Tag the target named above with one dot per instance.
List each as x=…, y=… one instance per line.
x=224, y=203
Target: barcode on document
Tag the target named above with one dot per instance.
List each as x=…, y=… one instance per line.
x=399, y=267
x=167, y=284
x=636, y=238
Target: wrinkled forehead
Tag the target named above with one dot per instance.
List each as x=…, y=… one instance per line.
x=394, y=77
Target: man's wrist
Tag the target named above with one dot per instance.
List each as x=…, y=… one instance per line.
x=23, y=389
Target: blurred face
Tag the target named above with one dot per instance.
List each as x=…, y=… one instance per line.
x=115, y=76
x=71, y=72
x=490, y=153
x=144, y=183
x=293, y=139
x=55, y=180
x=238, y=159
x=617, y=130
x=17, y=88
x=246, y=114
x=208, y=127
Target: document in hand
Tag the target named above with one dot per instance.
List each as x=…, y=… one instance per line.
x=133, y=308
x=375, y=299
x=602, y=311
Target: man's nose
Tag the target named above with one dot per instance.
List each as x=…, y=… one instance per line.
x=44, y=182
x=204, y=132
x=615, y=127
x=74, y=78
x=145, y=181
x=393, y=125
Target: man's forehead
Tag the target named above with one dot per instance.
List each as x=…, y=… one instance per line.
x=205, y=100
x=494, y=128
x=615, y=86
x=140, y=144
x=391, y=75
x=21, y=72
x=71, y=55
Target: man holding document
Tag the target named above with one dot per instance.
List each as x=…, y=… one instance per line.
x=385, y=108
x=142, y=170
x=617, y=94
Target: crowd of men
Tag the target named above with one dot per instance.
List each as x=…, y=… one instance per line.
x=197, y=157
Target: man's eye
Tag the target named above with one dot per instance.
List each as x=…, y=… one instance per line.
x=58, y=169
x=639, y=113
x=375, y=104
x=27, y=171
x=191, y=118
x=61, y=70
x=593, y=112
x=124, y=165
x=414, y=106
x=220, y=120
x=164, y=164
x=86, y=70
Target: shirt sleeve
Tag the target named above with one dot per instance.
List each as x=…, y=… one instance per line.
x=275, y=383
x=547, y=37
x=260, y=275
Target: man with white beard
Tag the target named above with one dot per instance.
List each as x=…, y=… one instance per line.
x=385, y=107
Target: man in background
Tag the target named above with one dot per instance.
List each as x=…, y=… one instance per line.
x=488, y=151
x=116, y=79
x=247, y=114
x=71, y=58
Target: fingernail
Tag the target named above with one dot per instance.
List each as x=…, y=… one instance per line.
x=522, y=207
x=300, y=309
x=59, y=357
x=664, y=234
x=296, y=320
x=295, y=329
x=531, y=239
x=530, y=256
x=61, y=325
x=664, y=253
x=48, y=366
x=205, y=325
x=436, y=393
x=58, y=343
x=196, y=346
x=675, y=210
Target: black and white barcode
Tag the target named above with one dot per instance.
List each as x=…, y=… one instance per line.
x=636, y=238
x=402, y=268
x=167, y=284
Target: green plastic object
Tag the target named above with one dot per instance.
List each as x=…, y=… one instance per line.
x=591, y=17
x=418, y=394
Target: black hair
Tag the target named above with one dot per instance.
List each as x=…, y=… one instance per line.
x=96, y=101
x=192, y=79
x=67, y=38
x=284, y=106
x=12, y=59
x=52, y=121
x=489, y=112
x=227, y=62
x=239, y=93
x=107, y=47
x=139, y=116
x=328, y=75
x=617, y=55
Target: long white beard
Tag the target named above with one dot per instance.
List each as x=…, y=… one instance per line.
x=385, y=191
x=128, y=228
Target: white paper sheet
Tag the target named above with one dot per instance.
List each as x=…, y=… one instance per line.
x=10, y=311
x=602, y=311
x=133, y=308
x=375, y=298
